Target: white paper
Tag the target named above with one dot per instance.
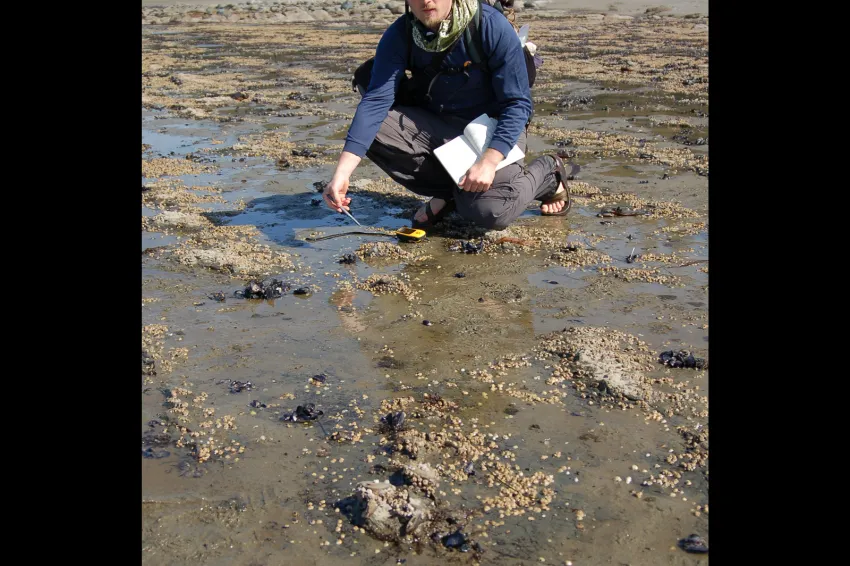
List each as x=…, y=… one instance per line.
x=457, y=157
x=461, y=153
x=523, y=34
x=480, y=132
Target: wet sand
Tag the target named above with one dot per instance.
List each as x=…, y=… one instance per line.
x=540, y=364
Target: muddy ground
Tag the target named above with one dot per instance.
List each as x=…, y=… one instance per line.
x=537, y=359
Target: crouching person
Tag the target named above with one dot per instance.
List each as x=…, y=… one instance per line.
x=400, y=121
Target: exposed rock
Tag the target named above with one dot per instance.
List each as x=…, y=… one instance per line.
x=390, y=513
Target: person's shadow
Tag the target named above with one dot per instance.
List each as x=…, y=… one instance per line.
x=288, y=219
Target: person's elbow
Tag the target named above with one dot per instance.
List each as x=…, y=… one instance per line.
x=381, y=93
x=519, y=105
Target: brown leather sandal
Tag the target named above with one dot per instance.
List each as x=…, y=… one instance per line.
x=561, y=176
x=433, y=218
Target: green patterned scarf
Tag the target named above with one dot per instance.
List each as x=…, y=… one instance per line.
x=462, y=12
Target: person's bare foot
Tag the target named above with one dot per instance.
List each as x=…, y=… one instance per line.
x=437, y=205
x=555, y=206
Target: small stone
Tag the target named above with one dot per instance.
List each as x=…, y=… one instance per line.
x=694, y=544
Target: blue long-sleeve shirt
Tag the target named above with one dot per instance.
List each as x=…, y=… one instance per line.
x=506, y=95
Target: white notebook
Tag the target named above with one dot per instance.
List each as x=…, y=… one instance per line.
x=461, y=153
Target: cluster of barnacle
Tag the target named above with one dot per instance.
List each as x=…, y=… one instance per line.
x=518, y=492
x=435, y=403
x=387, y=285
x=421, y=476
x=383, y=250
x=696, y=444
x=665, y=479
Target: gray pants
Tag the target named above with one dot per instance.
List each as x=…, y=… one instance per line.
x=404, y=150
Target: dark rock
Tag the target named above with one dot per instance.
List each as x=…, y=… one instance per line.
x=681, y=359
x=151, y=453
x=240, y=386
x=260, y=290
x=390, y=362
x=303, y=413
x=148, y=364
x=393, y=421
x=473, y=248
x=694, y=544
x=456, y=540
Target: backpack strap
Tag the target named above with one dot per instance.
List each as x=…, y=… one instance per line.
x=474, y=44
x=408, y=27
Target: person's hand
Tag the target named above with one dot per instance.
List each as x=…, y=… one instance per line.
x=479, y=177
x=334, y=194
